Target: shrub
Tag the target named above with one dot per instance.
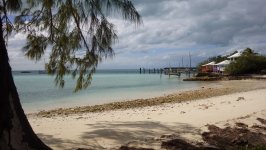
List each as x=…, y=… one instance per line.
x=247, y=64
x=202, y=74
x=205, y=74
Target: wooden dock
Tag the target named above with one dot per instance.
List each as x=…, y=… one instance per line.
x=177, y=71
x=151, y=71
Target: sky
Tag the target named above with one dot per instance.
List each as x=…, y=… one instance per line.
x=171, y=30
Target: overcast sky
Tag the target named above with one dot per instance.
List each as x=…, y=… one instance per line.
x=173, y=28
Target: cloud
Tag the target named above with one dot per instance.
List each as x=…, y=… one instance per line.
x=209, y=27
x=173, y=28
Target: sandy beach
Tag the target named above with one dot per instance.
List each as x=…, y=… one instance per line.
x=183, y=114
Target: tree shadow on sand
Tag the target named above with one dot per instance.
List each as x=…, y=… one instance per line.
x=113, y=135
x=65, y=144
x=121, y=133
x=106, y=135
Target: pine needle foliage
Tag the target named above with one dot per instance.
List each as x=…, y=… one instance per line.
x=6, y=8
x=70, y=28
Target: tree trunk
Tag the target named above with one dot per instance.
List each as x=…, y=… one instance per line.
x=15, y=130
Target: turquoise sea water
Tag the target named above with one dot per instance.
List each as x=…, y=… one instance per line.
x=38, y=92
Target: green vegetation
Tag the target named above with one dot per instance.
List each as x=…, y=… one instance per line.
x=249, y=62
x=205, y=74
x=69, y=28
x=216, y=59
x=79, y=35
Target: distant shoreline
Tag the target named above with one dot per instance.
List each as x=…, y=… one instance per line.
x=222, y=78
x=228, y=87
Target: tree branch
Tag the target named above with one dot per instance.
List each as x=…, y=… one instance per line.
x=79, y=29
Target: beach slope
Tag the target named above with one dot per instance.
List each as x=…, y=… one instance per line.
x=188, y=119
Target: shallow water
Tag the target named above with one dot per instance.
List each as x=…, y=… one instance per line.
x=38, y=91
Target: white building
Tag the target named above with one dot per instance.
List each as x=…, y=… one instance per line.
x=221, y=65
x=234, y=56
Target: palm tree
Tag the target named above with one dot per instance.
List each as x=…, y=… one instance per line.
x=67, y=27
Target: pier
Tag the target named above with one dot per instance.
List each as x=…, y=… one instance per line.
x=151, y=71
x=177, y=71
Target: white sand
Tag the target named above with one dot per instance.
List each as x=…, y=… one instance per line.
x=115, y=128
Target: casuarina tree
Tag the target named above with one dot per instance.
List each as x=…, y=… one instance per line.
x=66, y=28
